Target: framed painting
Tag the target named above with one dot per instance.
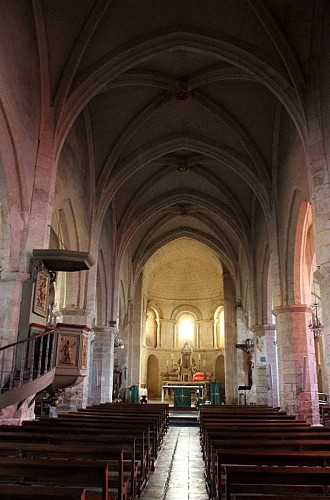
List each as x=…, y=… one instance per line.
x=40, y=301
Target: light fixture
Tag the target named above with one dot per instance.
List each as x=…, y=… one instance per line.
x=315, y=324
x=247, y=346
x=118, y=342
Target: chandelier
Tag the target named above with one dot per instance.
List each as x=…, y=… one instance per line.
x=315, y=325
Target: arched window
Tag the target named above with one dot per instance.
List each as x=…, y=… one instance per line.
x=219, y=328
x=186, y=329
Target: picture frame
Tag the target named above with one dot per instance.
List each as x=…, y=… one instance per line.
x=41, y=289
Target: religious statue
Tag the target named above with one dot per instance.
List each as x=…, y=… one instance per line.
x=186, y=365
x=68, y=353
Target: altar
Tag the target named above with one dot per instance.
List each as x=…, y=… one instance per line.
x=183, y=390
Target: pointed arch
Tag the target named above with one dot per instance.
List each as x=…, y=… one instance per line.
x=304, y=255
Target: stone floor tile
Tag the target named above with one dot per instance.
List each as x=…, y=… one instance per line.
x=179, y=471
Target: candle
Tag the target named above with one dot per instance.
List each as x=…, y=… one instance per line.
x=167, y=363
x=204, y=363
x=199, y=357
x=172, y=356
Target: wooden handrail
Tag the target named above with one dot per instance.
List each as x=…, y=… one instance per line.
x=53, y=330
x=27, y=359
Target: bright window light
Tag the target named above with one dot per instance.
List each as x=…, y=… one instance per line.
x=186, y=329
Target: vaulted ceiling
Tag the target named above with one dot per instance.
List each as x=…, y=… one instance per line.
x=182, y=103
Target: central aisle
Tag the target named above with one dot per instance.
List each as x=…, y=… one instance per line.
x=179, y=471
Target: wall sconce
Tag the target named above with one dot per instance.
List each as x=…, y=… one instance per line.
x=247, y=346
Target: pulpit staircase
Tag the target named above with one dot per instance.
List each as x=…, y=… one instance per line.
x=27, y=367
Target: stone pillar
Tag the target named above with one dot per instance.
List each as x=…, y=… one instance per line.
x=323, y=277
x=101, y=379
x=296, y=353
x=266, y=365
x=135, y=332
x=230, y=340
x=10, y=303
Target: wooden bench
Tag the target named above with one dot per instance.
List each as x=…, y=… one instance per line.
x=13, y=491
x=265, y=457
x=156, y=429
x=17, y=439
x=262, y=443
x=213, y=438
x=54, y=431
x=161, y=410
x=92, y=419
x=106, y=456
x=80, y=436
x=107, y=430
x=269, y=432
x=256, y=479
x=38, y=472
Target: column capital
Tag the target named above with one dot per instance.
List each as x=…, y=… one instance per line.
x=260, y=329
x=292, y=308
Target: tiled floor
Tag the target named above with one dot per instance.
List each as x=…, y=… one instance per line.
x=179, y=471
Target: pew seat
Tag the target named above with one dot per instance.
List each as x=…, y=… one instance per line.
x=269, y=479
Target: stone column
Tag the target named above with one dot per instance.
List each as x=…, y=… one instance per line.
x=266, y=365
x=323, y=278
x=243, y=361
x=296, y=353
x=10, y=303
x=101, y=367
x=230, y=340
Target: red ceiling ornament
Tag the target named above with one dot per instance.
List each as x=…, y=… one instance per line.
x=181, y=94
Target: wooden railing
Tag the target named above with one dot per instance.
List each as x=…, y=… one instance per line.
x=27, y=366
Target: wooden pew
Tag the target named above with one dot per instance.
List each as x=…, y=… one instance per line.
x=283, y=445
x=255, y=479
x=108, y=430
x=312, y=439
x=266, y=457
x=27, y=438
x=92, y=419
x=93, y=425
x=77, y=473
x=162, y=410
x=156, y=429
x=213, y=433
x=75, y=455
x=13, y=491
x=213, y=438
